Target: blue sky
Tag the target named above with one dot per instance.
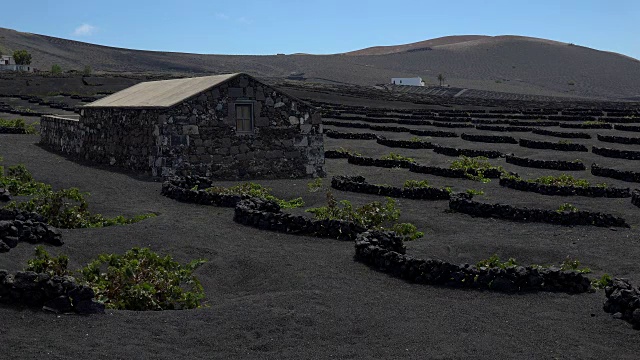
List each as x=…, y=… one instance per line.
x=321, y=27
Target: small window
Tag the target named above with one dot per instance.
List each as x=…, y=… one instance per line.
x=244, y=117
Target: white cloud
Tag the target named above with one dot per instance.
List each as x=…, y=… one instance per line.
x=241, y=19
x=85, y=30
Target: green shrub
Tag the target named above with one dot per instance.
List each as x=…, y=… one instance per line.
x=416, y=184
x=315, y=185
x=87, y=70
x=567, y=265
x=416, y=139
x=256, y=190
x=56, y=69
x=420, y=184
x=594, y=122
x=68, y=209
x=347, y=151
x=604, y=281
x=494, y=262
x=22, y=57
x=560, y=180
x=374, y=215
x=407, y=229
x=394, y=156
x=19, y=181
x=143, y=280
x=138, y=280
x=566, y=207
x=18, y=123
x=573, y=265
x=478, y=164
x=565, y=142
x=474, y=192
x=44, y=263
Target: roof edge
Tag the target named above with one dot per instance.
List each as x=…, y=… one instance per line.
x=232, y=76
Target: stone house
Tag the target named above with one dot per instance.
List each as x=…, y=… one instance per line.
x=223, y=127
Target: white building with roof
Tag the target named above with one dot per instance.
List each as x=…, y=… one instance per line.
x=416, y=81
x=7, y=63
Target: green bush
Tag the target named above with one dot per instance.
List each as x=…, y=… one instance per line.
x=567, y=265
x=56, y=69
x=256, y=190
x=19, y=181
x=560, y=180
x=68, y=209
x=22, y=57
x=494, y=262
x=604, y=281
x=416, y=184
x=374, y=215
x=315, y=185
x=474, y=192
x=138, y=280
x=566, y=207
x=342, y=150
x=18, y=123
x=419, y=184
x=44, y=263
x=573, y=265
x=407, y=229
x=398, y=157
x=477, y=165
x=143, y=280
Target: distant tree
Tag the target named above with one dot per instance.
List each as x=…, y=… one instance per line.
x=56, y=69
x=22, y=57
x=441, y=79
x=87, y=70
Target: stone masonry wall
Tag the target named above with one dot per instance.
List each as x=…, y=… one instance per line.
x=199, y=135
x=63, y=135
x=119, y=137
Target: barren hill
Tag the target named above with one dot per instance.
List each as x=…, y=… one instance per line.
x=503, y=63
x=416, y=46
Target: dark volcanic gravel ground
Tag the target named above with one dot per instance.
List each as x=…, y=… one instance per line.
x=281, y=296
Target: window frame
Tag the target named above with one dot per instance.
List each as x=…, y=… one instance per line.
x=251, y=119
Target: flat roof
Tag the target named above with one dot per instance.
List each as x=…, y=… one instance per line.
x=160, y=94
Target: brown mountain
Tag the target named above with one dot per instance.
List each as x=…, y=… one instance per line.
x=416, y=46
x=502, y=63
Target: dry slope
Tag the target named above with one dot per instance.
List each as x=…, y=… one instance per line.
x=501, y=63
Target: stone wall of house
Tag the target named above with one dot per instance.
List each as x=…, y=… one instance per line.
x=62, y=135
x=119, y=137
x=198, y=136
